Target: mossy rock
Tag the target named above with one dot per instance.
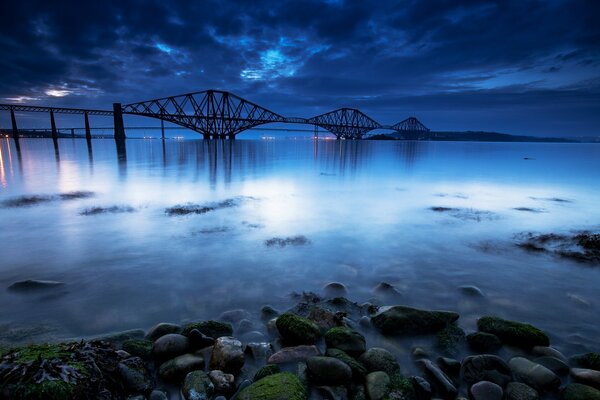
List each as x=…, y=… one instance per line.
x=483, y=342
x=43, y=351
x=359, y=371
x=295, y=330
x=45, y=390
x=213, y=329
x=346, y=339
x=401, y=388
x=269, y=369
x=514, y=333
x=138, y=347
x=402, y=320
x=577, y=391
x=449, y=339
x=587, y=360
x=281, y=386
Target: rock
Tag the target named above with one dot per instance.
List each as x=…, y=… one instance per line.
x=359, y=371
x=164, y=328
x=386, y=290
x=31, y=285
x=325, y=319
x=224, y=383
x=577, y=391
x=549, y=352
x=197, y=386
x=533, y=374
x=293, y=354
x=443, y=383
x=213, y=329
x=267, y=370
x=422, y=388
x=227, y=355
x=485, y=390
x=471, y=290
x=281, y=386
x=158, y=395
x=483, y=342
x=259, y=351
x=449, y=339
x=135, y=376
x=450, y=366
x=520, y=391
x=377, y=385
x=244, y=326
x=588, y=377
x=485, y=367
x=513, y=333
x=346, y=339
x=332, y=392
x=553, y=364
x=401, y=320
x=267, y=313
x=199, y=340
x=295, y=330
x=169, y=346
x=138, y=347
x=401, y=388
x=335, y=289
x=418, y=353
x=176, y=369
x=328, y=371
x=587, y=360
x=118, y=338
x=378, y=359
x=234, y=315
x=364, y=322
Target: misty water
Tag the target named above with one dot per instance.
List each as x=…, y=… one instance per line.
x=276, y=217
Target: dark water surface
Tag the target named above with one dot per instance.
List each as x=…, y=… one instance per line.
x=267, y=218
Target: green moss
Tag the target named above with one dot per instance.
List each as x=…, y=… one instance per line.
x=44, y=351
x=401, y=388
x=513, y=333
x=359, y=371
x=483, y=342
x=213, y=329
x=577, y=391
x=449, y=340
x=281, y=386
x=45, y=390
x=269, y=369
x=587, y=360
x=295, y=330
x=138, y=347
x=402, y=320
x=346, y=339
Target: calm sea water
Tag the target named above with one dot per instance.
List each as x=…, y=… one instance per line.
x=363, y=207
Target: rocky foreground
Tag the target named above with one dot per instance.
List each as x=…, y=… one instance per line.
x=316, y=350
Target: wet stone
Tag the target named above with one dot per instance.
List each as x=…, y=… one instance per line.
x=553, y=364
x=483, y=342
x=328, y=371
x=335, y=289
x=577, y=391
x=197, y=386
x=377, y=385
x=223, y=383
x=198, y=340
x=378, y=359
x=422, y=387
x=227, y=355
x=443, y=383
x=293, y=354
x=520, y=391
x=401, y=320
x=485, y=390
x=347, y=340
x=177, y=368
x=135, y=375
x=588, y=377
x=162, y=329
x=533, y=374
x=169, y=346
x=485, y=367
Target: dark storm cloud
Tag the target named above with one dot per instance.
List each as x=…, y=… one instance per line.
x=461, y=65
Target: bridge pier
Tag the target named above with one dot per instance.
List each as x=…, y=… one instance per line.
x=162, y=129
x=231, y=136
x=118, y=122
x=206, y=136
x=88, y=132
x=53, y=125
x=15, y=130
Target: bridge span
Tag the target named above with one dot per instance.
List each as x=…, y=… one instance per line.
x=218, y=114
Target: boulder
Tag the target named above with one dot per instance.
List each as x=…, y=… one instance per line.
x=328, y=371
x=138, y=347
x=197, y=386
x=378, y=359
x=444, y=384
x=346, y=339
x=269, y=369
x=176, y=369
x=533, y=374
x=587, y=360
x=485, y=367
x=514, y=333
x=449, y=339
x=401, y=320
x=577, y=391
x=169, y=346
x=359, y=371
x=588, y=377
x=224, y=383
x=213, y=329
x=135, y=375
x=377, y=385
x=227, y=355
x=335, y=289
x=520, y=391
x=162, y=329
x=485, y=390
x=483, y=342
x=281, y=386
x=293, y=354
x=296, y=330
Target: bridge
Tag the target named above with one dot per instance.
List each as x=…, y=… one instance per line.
x=218, y=114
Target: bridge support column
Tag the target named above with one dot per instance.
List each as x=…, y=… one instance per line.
x=118, y=121
x=206, y=136
x=15, y=131
x=88, y=132
x=162, y=129
x=231, y=136
x=53, y=125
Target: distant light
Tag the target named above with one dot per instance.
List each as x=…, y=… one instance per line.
x=58, y=92
x=163, y=47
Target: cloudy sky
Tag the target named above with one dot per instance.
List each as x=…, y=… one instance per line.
x=522, y=67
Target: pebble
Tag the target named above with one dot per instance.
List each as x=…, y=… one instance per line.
x=485, y=390
x=169, y=346
x=520, y=391
x=294, y=354
x=485, y=367
x=377, y=384
x=227, y=355
x=588, y=377
x=177, y=368
x=549, y=352
x=224, y=383
x=553, y=364
x=533, y=374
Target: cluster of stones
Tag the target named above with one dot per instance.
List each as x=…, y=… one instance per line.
x=316, y=351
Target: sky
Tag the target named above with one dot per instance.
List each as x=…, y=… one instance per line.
x=521, y=67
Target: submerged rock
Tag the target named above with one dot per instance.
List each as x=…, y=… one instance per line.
x=513, y=333
x=483, y=342
x=213, y=329
x=346, y=339
x=281, y=386
x=30, y=285
x=335, y=289
x=402, y=320
x=449, y=339
x=444, y=384
x=162, y=329
x=295, y=330
x=587, y=360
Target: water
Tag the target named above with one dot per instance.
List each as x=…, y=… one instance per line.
x=364, y=208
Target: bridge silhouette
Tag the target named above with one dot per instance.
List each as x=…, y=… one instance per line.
x=220, y=114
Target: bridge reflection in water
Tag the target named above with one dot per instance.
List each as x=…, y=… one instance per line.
x=196, y=160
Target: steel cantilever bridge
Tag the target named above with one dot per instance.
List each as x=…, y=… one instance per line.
x=220, y=114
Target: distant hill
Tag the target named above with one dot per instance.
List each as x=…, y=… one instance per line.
x=470, y=136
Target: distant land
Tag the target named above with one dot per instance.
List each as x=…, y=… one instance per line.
x=481, y=136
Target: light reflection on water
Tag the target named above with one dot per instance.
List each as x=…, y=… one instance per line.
x=364, y=207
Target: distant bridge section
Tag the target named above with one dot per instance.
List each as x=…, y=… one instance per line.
x=345, y=123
